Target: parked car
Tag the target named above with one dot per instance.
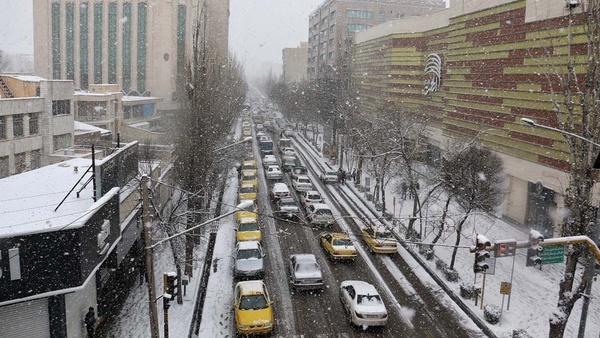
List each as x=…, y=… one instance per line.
x=249, y=260
x=288, y=163
x=247, y=192
x=248, y=229
x=319, y=214
x=338, y=246
x=379, y=239
x=310, y=196
x=305, y=272
x=302, y=183
x=363, y=303
x=279, y=190
x=253, y=308
x=298, y=171
x=328, y=176
x=269, y=160
x=287, y=208
x=274, y=173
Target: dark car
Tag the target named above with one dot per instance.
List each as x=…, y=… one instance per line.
x=299, y=171
x=288, y=163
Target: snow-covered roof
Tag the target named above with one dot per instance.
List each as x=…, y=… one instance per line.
x=28, y=78
x=361, y=287
x=28, y=200
x=140, y=99
x=248, y=220
x=305, y=258
x=84, y=128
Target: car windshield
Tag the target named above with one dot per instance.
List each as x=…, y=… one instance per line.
x=249, y=177
x=249, y=167
x=323, y=212
x=331, y=173
x=247, y=190
x=248, y=227
x=288, y=203
x=313, y=197
x=342, y=241
x=384, y=235
x=253, y=302
x=304, y=180
x=307, y=267
x=369, y=300
x=249, y=254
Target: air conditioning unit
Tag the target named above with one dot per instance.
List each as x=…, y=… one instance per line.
x=573, y=3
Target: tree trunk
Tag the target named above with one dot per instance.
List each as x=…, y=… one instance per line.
x=442, y=222
x=457, y=243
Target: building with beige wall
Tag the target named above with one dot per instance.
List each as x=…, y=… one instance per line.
x=333, y=24
x=493, y=57
x=140, y=45
x=294, y=63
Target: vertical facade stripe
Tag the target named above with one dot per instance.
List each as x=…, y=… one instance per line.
x=98, y=42
x=83, y=45
x=112, y=42
x=56, y=57
x=181, y=16
x=141, y=47
x=126, y=47
x=70, y=40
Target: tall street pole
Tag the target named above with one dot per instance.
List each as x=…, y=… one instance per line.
x=152, y=309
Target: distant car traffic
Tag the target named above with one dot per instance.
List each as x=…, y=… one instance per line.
x=363, y=303
x=253, y=308
x=274, y=173
x=287, y=208
x=338, y=246
x=379, y=239
x=305, y=272
x=249, y=260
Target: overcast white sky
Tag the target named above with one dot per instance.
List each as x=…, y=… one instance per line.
x=16, y=28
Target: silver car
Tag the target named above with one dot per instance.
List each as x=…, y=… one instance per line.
x=305, y=272
x=287, y=208
x=249, y=260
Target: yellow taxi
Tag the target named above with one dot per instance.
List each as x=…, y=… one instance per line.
x=247, y=131
x=249, y=178
x=248, y=229
x=247, y=192
x=338, y=246
x=379, y=239
x=253, y=308
x=249, y=166
x=253, y=212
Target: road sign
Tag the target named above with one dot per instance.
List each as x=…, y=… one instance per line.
x=505, y=249
x=505, y=288
x=553, y=254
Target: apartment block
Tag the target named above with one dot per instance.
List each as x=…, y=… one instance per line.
x=294, y=63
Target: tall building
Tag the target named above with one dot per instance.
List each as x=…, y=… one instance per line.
x=333, y=24
x=140, y=45
x=294, y=63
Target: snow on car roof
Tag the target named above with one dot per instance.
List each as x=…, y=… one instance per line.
x=305, y=258
x=361, y=287
x=247, y=220
x=254, y=286
x=280, y=187
x=320, y=206
x=245, y=245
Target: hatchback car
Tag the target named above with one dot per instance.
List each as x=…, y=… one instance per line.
x=305, y=272
x=379, y=239
x=269, y=160
x=319, y=214
x=249, y=260
x=363, y=303
x=247, y=192
x=253, y=308
x=274, y=173
x=310, y=196
x=287, y=208
x=328, y=176
x=279, y=190
x=338, y=246
x=302, y=183
x=248, y=229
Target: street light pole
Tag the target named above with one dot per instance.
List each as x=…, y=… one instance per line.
x=153, y=311
x=246, y=139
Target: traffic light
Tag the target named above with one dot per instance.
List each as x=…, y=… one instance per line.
x=170, y=284
x=534, y=250
x=481, y=254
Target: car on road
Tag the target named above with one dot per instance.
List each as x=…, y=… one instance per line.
x=247, y=131
x=305, y=272
x=288, y=151
x=319, y=214
x=379, y=239
x=287, y=208
x=259, y=127
x=249, y=166
x=338, y=246
x=298, y=170
x=249, y=178
x=274, y=173
x=302, y=183
x=328, y=176
x=247, y=192
x=279, y=190
x=310, y=196
x=289, y=132
x=288, y=163
x=252, y=212
x=253, y=308
x=248, y=229
x=269, y=160
x=249, y=260
x=363, y=303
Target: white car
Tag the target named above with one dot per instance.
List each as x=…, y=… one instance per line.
x=249, y=260
x=319, y=214
x=302, y=183
x=363, y=303
x=269, y=160
x=305, y=272
x=310, y=196
x=328, y=176
x=274, y=173
x=288, y=151
x=279, y=190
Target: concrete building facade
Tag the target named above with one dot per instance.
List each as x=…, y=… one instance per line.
x=294, y=63
x=140, y=45
x=492, y=59
x=333, y=24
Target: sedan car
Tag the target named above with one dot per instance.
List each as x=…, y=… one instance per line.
x=319, y=214
x=302, y=183
x=249, y=260
x=287, y=208
x=250, y=213
x=247, y=192
x=310, y=196
x=253, y=308
x=248, y=229
x=274, y=173
x=279, y=190
x=338, y=246
x=249, y=166
x=249, y=178
x=299, y=170
x=269, y=160
x=288, y=163
x=328, y=176
x=379, y=239
x=305, y=272
x=363, y=303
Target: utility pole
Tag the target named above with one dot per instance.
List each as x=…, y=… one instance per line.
x=153, y=311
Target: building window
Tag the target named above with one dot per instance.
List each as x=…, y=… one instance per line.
x=330, y=55
x=3, y=166
x=112, y=42
x=61, y=107
x=356, y=27
x=357, y=13
x=70, y=40
x=36, y=159
x=18, y=125
x=98, y=42
x=56, y=40
x=141, y=47
x=20, y=164
x=381, y=17
x=61, y=141
x=83, y=45
x=34, y=126
x=2, y=127
x=126, y=22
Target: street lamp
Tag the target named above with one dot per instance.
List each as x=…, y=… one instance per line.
x=592, y=261
x=246, y=139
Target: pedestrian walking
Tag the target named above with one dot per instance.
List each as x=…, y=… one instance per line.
x=353, y=175
x=339, y=175
x=239, y=171
x=90, y=322
x=343, y=176
x=403, y=188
